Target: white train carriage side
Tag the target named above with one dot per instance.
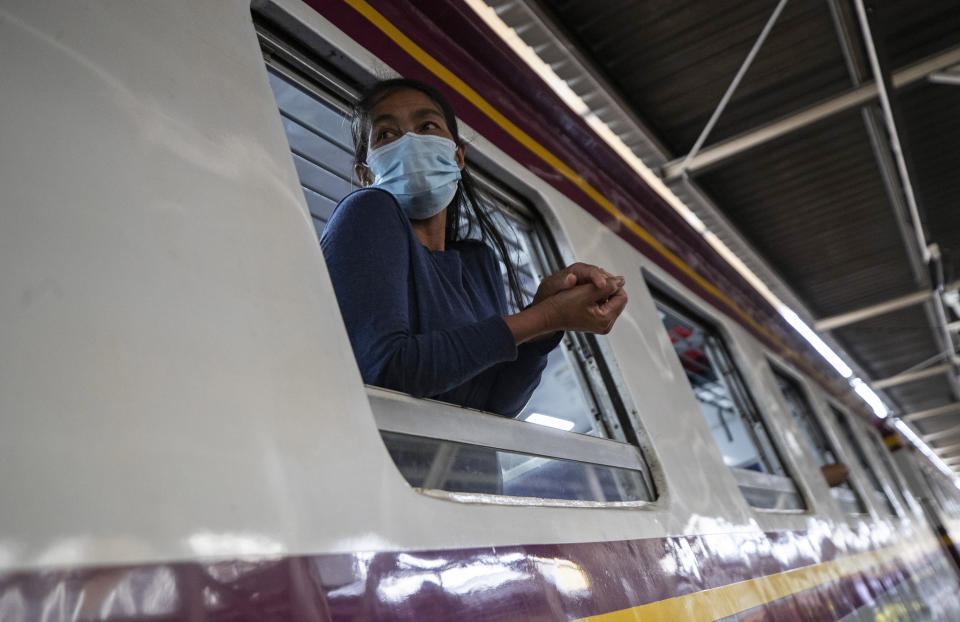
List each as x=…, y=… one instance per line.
x=184, y=433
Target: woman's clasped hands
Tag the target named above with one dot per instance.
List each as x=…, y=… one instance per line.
x=580, y=297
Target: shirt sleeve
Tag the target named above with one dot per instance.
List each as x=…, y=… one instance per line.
x=515, y=380
x=366, y=246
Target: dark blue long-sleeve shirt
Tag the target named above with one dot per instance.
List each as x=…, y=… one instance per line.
x=429, y=323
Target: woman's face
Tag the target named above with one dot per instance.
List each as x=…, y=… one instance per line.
x=405, y=111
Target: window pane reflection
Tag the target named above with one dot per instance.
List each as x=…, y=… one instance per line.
x=724, y=402
x=458, y=467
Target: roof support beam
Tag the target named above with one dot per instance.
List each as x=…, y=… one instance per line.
x=734, y=83
x=731, y=147
x=866, y=313
x=948, y=409
x=875, y=47
x=884, y=87
x=951, y=431
x=912, y=376
x=946, y=77
x=947, y=450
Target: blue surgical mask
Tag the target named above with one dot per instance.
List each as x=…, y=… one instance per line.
x=419, y=170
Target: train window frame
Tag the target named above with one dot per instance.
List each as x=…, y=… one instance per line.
x=838, y=493
x=788, y=486
x=891, y=481
x=596, y=370
x=847, y=425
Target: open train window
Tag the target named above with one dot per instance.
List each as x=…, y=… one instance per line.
x=796, y=398
x=876, y=488
x=585, y=447
x=731, y=413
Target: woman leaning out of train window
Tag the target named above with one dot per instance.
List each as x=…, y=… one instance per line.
x=425, y=307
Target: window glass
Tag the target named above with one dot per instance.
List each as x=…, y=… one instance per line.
x=725, y=403
x=816, y=438
x=575, y=392
x=876, y=487
x=431, y=463
x=319, y=138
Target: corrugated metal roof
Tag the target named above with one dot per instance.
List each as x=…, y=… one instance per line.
x=813, y=203
x=674, y=60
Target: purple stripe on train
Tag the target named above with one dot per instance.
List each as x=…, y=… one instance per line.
x=536, y=582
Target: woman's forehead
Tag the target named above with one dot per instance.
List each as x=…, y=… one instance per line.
x=403, y=104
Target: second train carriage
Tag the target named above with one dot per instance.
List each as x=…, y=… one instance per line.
x=185, y=435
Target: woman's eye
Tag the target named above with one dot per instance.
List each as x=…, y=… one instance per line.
x=383, y=135
x=429, y=126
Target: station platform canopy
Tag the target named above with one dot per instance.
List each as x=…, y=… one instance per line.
x=820, y=141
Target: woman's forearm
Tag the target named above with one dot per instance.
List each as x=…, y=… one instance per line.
x=530, y=324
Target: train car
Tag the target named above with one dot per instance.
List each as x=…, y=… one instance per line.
x=184, y=433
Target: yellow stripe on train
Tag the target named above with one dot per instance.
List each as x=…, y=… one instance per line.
x=728, y=600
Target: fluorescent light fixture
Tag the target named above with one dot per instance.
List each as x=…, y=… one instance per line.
x=551, y=422
x=864, y=391
x=813, y=339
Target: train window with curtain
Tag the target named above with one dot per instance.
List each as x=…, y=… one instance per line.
x=876, y=488
x=816, y=437
x=576, y=439
x=730, y=411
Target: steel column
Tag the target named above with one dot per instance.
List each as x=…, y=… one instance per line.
x=883, y=92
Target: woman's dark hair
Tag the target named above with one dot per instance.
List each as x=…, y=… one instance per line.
x=466, y=201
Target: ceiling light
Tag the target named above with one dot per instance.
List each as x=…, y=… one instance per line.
x=870, y=397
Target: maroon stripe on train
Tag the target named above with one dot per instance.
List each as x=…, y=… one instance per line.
x=455, y=36
x=541, y=582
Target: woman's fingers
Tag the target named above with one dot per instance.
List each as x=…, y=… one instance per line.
x=613, y=306
x=584, y=299
x=555, y=283
x=587, y=273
